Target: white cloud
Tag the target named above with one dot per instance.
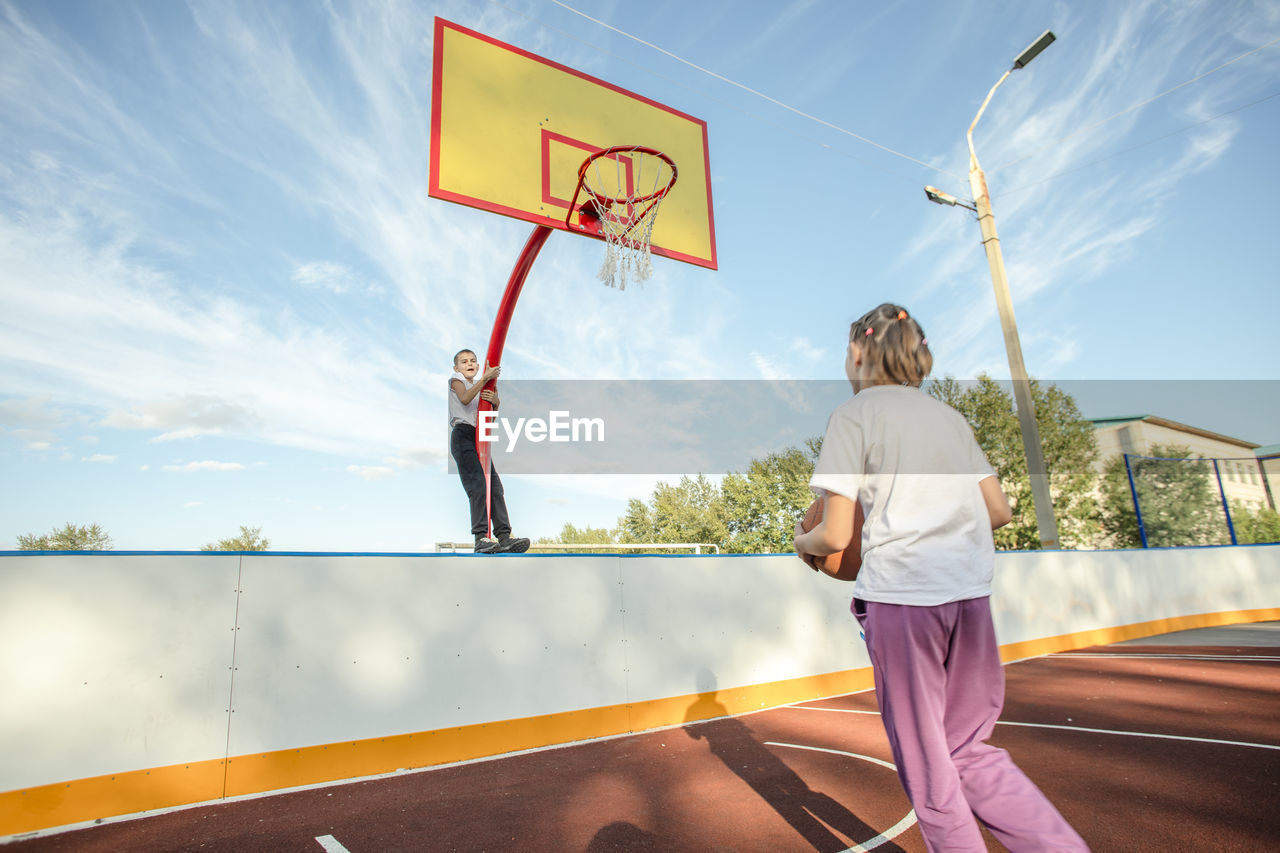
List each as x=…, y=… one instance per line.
x=191, y=414
x=415, y=457
x=129, y=306
x=333, y=277
x=33, y=421
x=371, y=472
x=766, y=367
x=33, y=412
x=99, y=457
x=1071, y=230
x=207, y=465
x=94, y=305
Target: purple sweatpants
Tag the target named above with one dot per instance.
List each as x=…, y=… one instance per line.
x=941, y=687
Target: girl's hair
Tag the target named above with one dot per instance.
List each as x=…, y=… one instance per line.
x=893, y=345
x=459, y=353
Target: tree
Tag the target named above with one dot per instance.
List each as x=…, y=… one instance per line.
x=751, y=512
x=249, y=539
x=691, y=511
x=1177, y=495
x=1069, y=448
x=69, y=537
x=570, y=535
x=762, y=506
x=1254, y=528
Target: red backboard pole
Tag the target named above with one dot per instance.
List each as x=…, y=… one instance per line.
x=498, y=339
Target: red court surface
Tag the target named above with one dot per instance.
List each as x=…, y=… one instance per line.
x=1171, y=743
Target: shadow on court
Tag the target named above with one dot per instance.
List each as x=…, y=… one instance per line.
x=812, y=814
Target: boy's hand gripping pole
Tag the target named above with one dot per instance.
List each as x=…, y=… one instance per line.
x=493, y=355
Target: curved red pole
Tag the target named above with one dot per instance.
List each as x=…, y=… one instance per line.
x=497, y=339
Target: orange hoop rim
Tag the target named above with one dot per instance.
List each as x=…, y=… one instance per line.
x=605, y=201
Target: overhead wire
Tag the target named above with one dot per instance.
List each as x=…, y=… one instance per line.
x=913, y=179
x=873, y=143
x=756, y=92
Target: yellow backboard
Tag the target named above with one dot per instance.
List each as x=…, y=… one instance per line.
x=509, y=130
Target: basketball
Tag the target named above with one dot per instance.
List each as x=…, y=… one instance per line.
x=843, y=566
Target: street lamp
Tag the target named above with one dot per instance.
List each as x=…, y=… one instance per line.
x=1040, y=495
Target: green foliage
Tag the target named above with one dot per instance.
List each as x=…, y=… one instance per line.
x=1253, y=528
x=1069, y=448
x=570, y=535
x=249, y=539
x=751, y=512
x=1178, y=496
x=69, y=537
x=690, y=511
x=762, y=505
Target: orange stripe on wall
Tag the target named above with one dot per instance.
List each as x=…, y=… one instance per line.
x=63, y=803
x=1103, y=636
x=136, y=791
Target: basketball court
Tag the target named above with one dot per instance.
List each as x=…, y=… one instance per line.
x=1165, y=743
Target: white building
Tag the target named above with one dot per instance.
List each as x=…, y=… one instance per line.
x=1243, y=466
x=1269, y=460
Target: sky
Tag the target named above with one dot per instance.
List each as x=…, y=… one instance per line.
x=226, y=298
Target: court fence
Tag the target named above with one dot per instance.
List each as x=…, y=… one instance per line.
x=607, y=547
x=1181, y=501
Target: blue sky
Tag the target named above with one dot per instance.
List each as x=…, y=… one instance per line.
x=226, y=299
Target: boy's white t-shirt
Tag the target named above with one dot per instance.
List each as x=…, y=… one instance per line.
x=458, y=413
x=913, y=464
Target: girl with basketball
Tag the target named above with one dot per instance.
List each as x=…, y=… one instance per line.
x=930, y=500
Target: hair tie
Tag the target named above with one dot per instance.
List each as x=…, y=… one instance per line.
x=902, y=315
x=870, y=331
x=924, y=342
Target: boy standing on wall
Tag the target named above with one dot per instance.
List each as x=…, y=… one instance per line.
x=465, y=395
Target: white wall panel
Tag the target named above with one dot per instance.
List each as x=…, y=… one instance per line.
x=112, y=662
x=336, y=648
x=733, y=620
x=1062, y=592
x=116, y=662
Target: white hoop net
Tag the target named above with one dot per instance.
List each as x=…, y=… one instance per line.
x=625, y=187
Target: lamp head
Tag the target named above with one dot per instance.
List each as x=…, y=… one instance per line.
x=1046, y=39
x=937, y=196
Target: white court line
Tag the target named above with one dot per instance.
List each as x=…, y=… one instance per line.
x=1074, y=729
x=1070, y=655
x=890, y=833
x=837, y=710
x=331, y=844
x=1141, y=734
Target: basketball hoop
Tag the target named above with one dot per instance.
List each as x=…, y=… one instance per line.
x=622, y=199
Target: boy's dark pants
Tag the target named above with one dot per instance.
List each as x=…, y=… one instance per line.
x=462, y=445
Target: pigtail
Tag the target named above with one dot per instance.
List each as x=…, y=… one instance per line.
x=894, y=345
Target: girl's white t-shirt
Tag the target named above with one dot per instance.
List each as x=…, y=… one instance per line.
x=458, y=413
x=913, y=464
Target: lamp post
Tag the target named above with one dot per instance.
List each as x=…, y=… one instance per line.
x=1040, y=494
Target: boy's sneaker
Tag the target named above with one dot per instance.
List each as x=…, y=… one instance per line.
x=513, y=545
x=485, y=545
